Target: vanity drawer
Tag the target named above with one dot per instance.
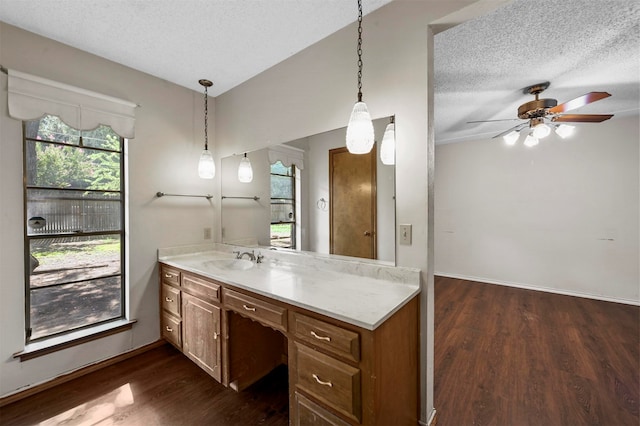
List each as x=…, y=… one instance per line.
x=170, y=275
x=332, y=382
x=308, y=413
x=268, y=314
x=204, y=289
x=337, y=340
x=171, y=330
x=171, y=299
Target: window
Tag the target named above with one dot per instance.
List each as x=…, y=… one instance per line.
x=74, y=227
x=283, y=205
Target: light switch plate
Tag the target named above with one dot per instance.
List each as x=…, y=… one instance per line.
x=405, y=234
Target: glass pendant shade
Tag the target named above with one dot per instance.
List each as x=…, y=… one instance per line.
x=511, y=138
x=388, y=145
x=565, y=130
x=531, y=141
x=541, y=131
x=360, y=137
x=206, y=165
x=245, y=172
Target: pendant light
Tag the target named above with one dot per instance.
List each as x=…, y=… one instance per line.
x=388, y=144
x=245, y=171
x=206, y=165
x=360, y=137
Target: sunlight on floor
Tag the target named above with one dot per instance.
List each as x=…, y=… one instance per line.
x=94, y=412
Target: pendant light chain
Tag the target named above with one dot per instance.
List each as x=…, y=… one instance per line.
x=359, y=50
x=206, y=114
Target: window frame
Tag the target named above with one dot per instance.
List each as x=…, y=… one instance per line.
x=27, y=238
x=294, y=202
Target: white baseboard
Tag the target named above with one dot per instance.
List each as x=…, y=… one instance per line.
x=540, y=288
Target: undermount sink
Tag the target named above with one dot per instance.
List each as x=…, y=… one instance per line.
x=230, y=264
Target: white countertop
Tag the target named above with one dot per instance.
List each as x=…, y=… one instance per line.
x=319, y=286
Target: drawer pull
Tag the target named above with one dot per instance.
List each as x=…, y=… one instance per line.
x=326, y=338
x=168, y=299
x=249, y=308
x=168, y=275
x=315, y=376
x=169, y=329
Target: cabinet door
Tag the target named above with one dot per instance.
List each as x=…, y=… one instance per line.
x=201, y=334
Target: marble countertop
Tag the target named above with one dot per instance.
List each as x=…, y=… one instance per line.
x=357, y=293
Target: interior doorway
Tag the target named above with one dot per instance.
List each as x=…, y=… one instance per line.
x=352, y=210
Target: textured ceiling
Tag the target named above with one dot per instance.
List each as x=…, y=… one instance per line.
x=226, y=41
x=482, y=65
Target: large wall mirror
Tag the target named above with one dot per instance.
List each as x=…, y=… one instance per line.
x=312, y=195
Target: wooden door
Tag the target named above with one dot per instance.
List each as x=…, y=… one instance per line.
x=352, y=203
x=201, y=334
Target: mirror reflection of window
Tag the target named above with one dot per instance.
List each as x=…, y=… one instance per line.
x=283, y=206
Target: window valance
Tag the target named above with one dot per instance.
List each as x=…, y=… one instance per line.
x=31, y=97
x=287, y=155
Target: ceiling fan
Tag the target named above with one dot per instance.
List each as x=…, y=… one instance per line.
x=541, y=116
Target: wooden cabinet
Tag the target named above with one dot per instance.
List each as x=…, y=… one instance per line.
x=191, y=317
x=201, y=334
x=339, y=374
x=170, y=318
x=352, y=375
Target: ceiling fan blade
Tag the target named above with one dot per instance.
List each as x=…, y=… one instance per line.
x=514, y=128
x=490, y=121
x=582, y=118
x=579, y=102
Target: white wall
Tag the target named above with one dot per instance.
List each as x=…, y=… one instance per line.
x=314, y=91
x=162, y=157
x=562, y=216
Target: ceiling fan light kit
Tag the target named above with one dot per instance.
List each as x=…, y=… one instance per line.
x=565, y=130
x=543, y=114
x=531, y=141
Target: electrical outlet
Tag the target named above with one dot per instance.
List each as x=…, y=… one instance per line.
x=404, y=232
x=207, y=233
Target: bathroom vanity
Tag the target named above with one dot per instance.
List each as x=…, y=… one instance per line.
x=348, y=331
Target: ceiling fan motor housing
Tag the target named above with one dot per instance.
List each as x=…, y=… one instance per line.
x=536, y=108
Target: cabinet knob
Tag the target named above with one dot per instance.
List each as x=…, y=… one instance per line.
x=325, y=338
x=215, y=336
x=169, y=329
x=249, y=308
x=315, y=376
x=367, y=233
x=168, y=299
x=168, y=275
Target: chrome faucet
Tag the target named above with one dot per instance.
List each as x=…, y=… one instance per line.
x=251, y=255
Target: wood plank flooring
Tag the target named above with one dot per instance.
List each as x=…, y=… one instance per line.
x=503, y=356
x=507, y=356
x=158, y=387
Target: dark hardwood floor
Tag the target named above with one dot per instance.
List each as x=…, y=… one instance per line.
x=158, y=387
x=503, y=356
x=507, y=356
